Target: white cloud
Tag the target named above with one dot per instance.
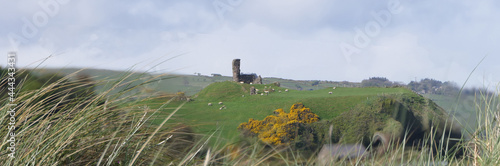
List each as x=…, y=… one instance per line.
x=290, y=39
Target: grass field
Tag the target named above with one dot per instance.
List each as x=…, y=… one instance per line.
x=124, y=124
x=462, y=108
x=239, y=109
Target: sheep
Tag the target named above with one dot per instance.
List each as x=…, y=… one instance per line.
x=242, y=82
x=267, y=92
x=220, y=103
x=251, y=83
x=262, y=94
x=279, y=91
x=334, y=87
x=209, y=104
x=242, y=95
x=223, y=107
x=286, y=90
x=329, y=92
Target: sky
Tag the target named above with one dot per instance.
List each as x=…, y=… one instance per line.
x=402, y=40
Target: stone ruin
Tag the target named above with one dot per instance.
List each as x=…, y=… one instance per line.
x=252, y=90
x=245, y=78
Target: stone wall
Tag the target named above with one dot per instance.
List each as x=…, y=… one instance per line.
x=236, y=70
x=246, y=78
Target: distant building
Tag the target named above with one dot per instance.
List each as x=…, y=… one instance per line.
x=216, y=75
x=246, y=78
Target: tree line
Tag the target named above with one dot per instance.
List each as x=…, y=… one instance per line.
x=425, y=86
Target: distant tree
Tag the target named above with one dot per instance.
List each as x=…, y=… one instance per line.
x=448, y=88
x=433, y=86
x=377, y=82
x=314, y=83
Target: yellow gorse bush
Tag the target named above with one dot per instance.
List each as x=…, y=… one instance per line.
x=282, y=127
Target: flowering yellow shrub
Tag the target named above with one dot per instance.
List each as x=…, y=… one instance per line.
x=282, y=127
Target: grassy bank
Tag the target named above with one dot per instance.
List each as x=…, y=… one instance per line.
x=239, y=109
x=116, y=127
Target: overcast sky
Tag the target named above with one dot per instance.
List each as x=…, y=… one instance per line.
x=303, y=40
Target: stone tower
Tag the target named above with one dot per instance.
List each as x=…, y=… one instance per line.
x=236, y=70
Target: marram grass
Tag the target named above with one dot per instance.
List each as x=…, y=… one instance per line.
x=54, y=126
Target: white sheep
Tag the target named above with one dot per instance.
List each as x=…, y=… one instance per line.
x=209, y=104
x=220, y=103
x=242, y=82
x=286, y=90
x=242, y=95
x=279, y=91
x=329, y=92
x=262, y=94
x=267, y=92
x=334, y=87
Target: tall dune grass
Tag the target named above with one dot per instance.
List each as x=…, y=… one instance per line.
x=110, y=128
x=484, y=147
x=115, y=128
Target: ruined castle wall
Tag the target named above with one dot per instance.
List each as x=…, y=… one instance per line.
x=246, y=78
x=236, y=70
x=258, y=80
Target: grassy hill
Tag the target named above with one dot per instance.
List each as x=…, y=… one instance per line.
x=312, y=93
x=240, y=106
x=91, y=124
x=169, y=83
x=465, y=107
x=190, y=84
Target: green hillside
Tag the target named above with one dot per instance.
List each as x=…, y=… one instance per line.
x=240, y=108
x=190, y=84
x=356, y=114
x=463, y=108
x=313, y=94
x=169, y=83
